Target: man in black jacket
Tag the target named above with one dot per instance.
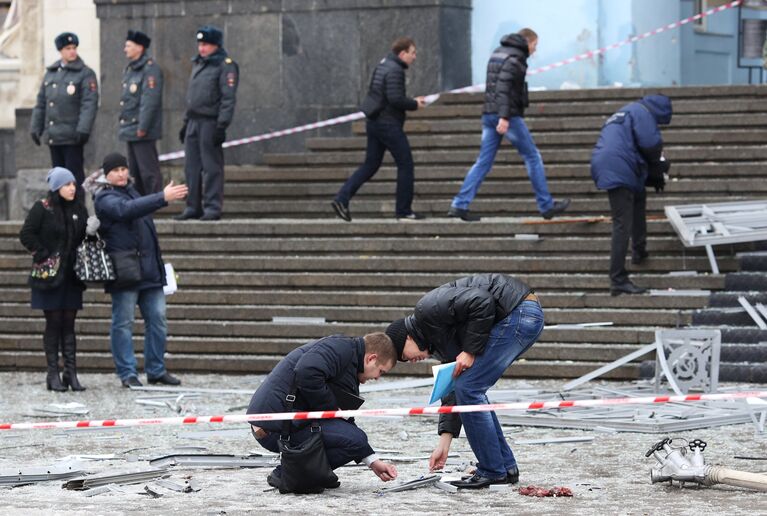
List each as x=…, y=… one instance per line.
x=503, y=116
x=322, y=373
x=384, y=131
x=210, y=101
x=483, y=323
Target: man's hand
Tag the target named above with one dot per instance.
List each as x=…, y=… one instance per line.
x=462, y=362
x=82, y=138
x=503, y=126
x=384, y=471
x=140, y=133
x=421, y=102
x=174, y=192
x=439, y=455
x=182, y=133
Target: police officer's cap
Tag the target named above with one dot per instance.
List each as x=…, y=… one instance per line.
x=210, y=34
x=138, y=38
x=66, y=38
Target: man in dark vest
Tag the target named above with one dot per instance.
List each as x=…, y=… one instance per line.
x=141, y=113
x=66, y=107
x=210, y=101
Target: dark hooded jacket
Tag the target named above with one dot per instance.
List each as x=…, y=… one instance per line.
x=317, y=368
x=505, y=85
x=389, y=80
x=630, y=144
x=212, y=90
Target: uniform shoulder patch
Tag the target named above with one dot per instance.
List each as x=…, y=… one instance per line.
x=228, y=60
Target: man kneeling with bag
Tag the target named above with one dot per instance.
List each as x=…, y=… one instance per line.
x=321, y=375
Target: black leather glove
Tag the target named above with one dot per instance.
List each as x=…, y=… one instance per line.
x=219, y=136
x=182, y=133
x=35, y=138
x=40, y=255
x=82, y=138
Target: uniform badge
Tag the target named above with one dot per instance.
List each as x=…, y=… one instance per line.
x=231, y=78
x=92, y=85
x=71, y=89
x=151, y=82
x=133, y=88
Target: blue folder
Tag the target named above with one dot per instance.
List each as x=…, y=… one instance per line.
x=444, y=383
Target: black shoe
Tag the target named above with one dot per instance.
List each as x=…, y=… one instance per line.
x=559, y=207
x=637, y=257
x=274, y=478
x=512, y=475
x=132, y=382
x=186, y=215
x=342, y=210
x=626, y=288
x=210, y=216
x=411, y=216
x=165, y=379
x=462, y=214
x=478, y=482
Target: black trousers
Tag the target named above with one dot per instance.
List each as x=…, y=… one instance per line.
x=71, y=158
x=383, y=136
x=628, y=211
x=203, y=168
x=144, y=166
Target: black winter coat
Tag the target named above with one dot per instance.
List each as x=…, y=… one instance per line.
x=50, y=229
x=505, y=86
x=389, y=78
x=317, y=368
x=126, y=224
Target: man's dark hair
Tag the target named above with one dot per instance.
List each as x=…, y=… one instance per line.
x=380, y=344
x=402, y=44
x=528, y=34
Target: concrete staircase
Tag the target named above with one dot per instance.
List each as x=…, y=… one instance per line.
x=281, y=252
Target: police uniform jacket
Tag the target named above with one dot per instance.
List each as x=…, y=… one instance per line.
x=213, y=88
x=317, y=368
x=505, y=85
x=141, y=100
x=126, y=224
x=66, y=103
x=389, y=79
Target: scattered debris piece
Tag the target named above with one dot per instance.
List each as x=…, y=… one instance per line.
x=526, y=236
x=232, y=433
x=397, y=385
x=679, y=292
x=298, y=320
x=683, y=273
x=186, y=390
x=412, y=484
x=213, y=461
x=450, y=488
x=35, y=474
x=749, y=458
x=133, y=477
x=609, y=367
x=542, y=491
x=577, y=326
x=555, y=440
x=188, y=486
x=752, y=313
x=72, y=408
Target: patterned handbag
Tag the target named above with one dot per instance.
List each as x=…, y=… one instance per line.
x=47, y=269
x=93, y=264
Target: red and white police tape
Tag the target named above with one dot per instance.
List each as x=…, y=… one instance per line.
x=468, y=89
x=415, y=411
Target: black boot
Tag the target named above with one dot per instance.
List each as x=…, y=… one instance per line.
x=69, y=350
x=52, y=380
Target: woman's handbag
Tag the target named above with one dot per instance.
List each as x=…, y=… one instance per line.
x=305, y=466
x=93, y=264
x=45, y=274
x=127, y=268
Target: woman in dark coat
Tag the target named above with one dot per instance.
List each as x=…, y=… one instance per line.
x=56, y=226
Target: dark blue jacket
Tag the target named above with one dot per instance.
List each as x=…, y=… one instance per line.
x=126, y=224
x=317, y=368
x=629, y=143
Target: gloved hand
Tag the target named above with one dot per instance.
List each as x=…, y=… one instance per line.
x=35, y=138
x=657, y=181
x=40, y=255
x=219, y=136
x=82, y=138
x=92, y=225
x=182, y=133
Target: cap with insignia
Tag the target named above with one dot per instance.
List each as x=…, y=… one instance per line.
x=210, y=34
x=65, y=39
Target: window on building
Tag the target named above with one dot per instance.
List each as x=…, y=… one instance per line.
x=705, y=5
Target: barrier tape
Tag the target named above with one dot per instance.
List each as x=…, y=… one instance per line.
x=416, y=411
x=468, y=89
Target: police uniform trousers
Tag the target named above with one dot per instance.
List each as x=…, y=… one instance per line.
x=144, y=166
x=628, y=209
x=71, y=158
x=204, y=168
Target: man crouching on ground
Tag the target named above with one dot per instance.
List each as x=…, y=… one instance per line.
x=323, y=371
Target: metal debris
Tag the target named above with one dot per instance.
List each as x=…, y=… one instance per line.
x=298, y=320
x=412, y=484
x=609, y=367
x=555, y=440
x=35, y=474
x=72, y=408
x=213, y=461
x=752, y=313
x=134, y=477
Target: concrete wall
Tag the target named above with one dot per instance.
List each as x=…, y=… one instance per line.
x=300, y=61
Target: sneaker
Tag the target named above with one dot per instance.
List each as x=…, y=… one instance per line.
x=557, y=209
x=342, y=210
x=462, y=214
x=411, y=216
x=132, y=382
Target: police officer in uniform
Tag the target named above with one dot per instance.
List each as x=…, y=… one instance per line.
x=66, y=107
x=141, y=113
x=210, y=101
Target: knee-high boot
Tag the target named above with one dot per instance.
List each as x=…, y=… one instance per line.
x=69, y=351
x=51, y=347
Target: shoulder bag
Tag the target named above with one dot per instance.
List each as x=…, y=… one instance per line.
x=92, y=263
x=47, y=274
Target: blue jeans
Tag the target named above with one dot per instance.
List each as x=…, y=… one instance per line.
x=151, y=303
x=509, y=338
x=383, y=136
x=520, y=137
